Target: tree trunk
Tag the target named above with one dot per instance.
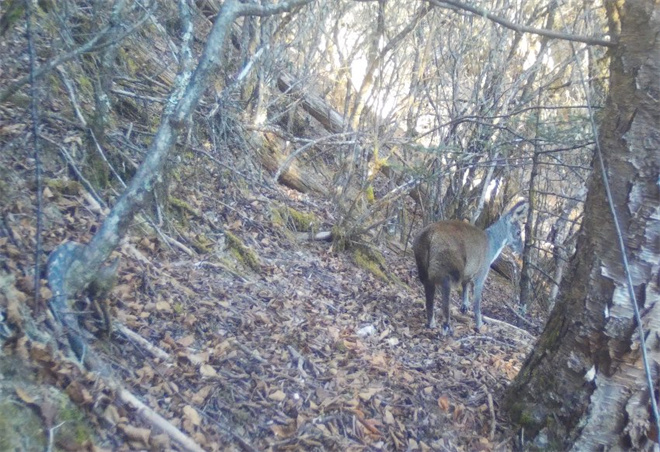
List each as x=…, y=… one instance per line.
x=71, y=266
x=584, y=386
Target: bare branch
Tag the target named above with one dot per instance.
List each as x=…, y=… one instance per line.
x=269, y=10
x=96, y=43
x=523, y=28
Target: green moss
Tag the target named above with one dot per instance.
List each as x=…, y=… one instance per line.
x=369, y=194
x=521, y=416
x=242, y=253
x=64, y=187
x=202, y=244
x=183, y=206
x=341, y=346
x=98, y=170
x=340, y=240
x=372, y=261
x=13, y=11
x=86, y=85
x=293, y=219
x=20, y=427
x=74, y=427
x=132, y=67
x=20, y=100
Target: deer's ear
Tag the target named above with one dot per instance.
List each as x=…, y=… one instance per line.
x=519, y=210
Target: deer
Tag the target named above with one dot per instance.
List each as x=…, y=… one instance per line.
x=451, y=252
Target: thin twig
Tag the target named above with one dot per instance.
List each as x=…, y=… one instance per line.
x=481, y=337
x=287, y=162
x=86, y=184
x=121, y=92
x=34, y=94
x=520, y=317
x=142, y=342
x=72, y=96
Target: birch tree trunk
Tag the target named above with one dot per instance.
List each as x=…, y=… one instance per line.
x=584, y=387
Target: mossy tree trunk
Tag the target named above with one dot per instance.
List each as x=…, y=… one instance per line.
x=584, y=386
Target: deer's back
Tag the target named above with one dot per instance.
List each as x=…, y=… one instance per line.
x=451, y=248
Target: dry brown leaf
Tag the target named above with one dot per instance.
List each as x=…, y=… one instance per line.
x=111, y=415
x=389, y=418
x=207, y=371
x=164, y=306
x=192, y=415
x=379, y=359
x=459, y=409
x=45, y=293
x=78, y=393
x=200, y=396
x=187, y=341
x=277, y=396
x=369, y=393
x=443, y=403
x=160, y=442
x=139, y=435
x=197, y=358
x=284, y=431
x=408, y=377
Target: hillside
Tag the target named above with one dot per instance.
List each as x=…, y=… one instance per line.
x=306, y=350
x=228, y=318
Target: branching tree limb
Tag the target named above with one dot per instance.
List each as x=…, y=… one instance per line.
x=522, y=28
x=72, y=266
x=179, y=109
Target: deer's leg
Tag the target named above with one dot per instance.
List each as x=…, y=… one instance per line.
x=478, y=286
x=466, y=297
x=446, y=291
x=429, y=291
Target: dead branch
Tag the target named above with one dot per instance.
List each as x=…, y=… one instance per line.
x=523, y=28
x=158, y=421
x=142, y=342
x=493, y=419
x=287, y=162
x=508, y=325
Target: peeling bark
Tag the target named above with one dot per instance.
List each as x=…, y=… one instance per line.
x=584, y=386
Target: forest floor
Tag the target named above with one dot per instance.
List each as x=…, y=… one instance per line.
x=305, y=350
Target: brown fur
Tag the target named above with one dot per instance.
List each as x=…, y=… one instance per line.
x=448, y=253
x=443, y=249
x=452, y=252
